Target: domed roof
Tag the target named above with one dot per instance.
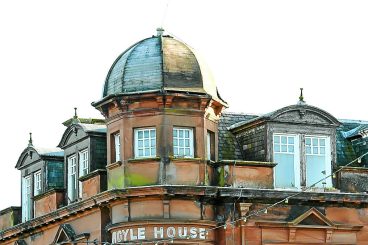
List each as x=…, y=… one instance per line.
x=159, y=63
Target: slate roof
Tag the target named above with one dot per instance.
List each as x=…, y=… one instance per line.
x=229, y=148
x=98, y=128
x=159, y=63
x=51, y=152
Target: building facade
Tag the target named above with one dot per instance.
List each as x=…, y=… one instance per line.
x=170, y=165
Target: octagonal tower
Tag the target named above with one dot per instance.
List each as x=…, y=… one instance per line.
x=162, y=106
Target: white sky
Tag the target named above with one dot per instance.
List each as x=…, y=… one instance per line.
x=54, y=55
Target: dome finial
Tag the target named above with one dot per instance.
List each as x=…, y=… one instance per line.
x=160, y=31
x=30, y=141
x=301, y=97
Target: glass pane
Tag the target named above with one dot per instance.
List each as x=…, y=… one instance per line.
x=181, y=152
x=175, y=151
x=187, y=143
x=276, y=139
x=291, y=140
x=315, y=150
x=181, y=143
x=146, y=134
x=147, y=152
x=140, y=143
x=186, y=133
x=277, y=148
x=140, y=134
x=283, y=148
x=283, y=139
x=153, y=152
x=140, y=153
x=187, y=153
x=308, y=141
x=175, y=133
x=322, y=142
x=291, y=148
x=315, y=141
x=153, y=143
x=308, y=150
x=284, y=170
x=153, y=133
x=322, y=150
x=175, y=142
x=314, y=167
x=146, y=143
x=181, y=133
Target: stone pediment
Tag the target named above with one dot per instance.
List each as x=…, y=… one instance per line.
x=304, y=114
x=66, y=234
x=72, y=134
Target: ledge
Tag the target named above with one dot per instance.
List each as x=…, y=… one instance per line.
x=186, y=159
x=9, y=209
x=93, y=174
x=51, y=191
x=147, y=159
x=113, y=165
x=246, y=163
x=354, y=169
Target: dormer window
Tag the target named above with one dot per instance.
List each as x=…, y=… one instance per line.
x=302, y=160
x=72, y=178
x=145, y=142
x=83, y=163
x=37, y=183
x=26, y=198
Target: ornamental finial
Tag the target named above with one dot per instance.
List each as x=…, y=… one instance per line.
x=30, y=141
x=301, y=97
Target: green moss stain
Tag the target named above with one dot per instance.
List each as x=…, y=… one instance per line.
x=138, y=180
x=221, y=176
x=115, y=180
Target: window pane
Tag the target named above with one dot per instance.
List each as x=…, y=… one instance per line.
x=322, y=142
x=146, y=143
x=307, y=141
x=140, y=143
x=153, y=143
x=314, y=167
x=140, y=152
x=186, y=143
x=140, y=134
x=175, y=142
x=153, y=151
x=315, y=150
x=153, y=133
x=187, y=153
x=291, y=148
x=186, y=133
x=147, y=152
x=284, y=171
x=283, y=139
x=315, y=141
x=283, y=148
x=175, y=133
x=322, y=150
x=291, y=140
x=146, y=134
x=181, y=135
x=175, y=151
x=308, y=150
x=276, y=139
x=181, y=143
x=181, y=152
x=277, y=148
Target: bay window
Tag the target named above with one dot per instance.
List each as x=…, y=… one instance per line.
x=183, y=142
x=145, y=142
x=302, y=160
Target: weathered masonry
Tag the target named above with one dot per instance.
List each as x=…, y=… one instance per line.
x=168, y=164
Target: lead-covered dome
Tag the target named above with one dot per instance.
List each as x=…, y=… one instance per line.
x=159, y=63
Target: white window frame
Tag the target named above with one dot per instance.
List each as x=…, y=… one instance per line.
x=152, y=149
x=117, y=141
x=37, y=183
x=72, y=171
x=296, y=158
x=176, y=142
x=327, y=155
x=26, y=198
x=208, y=145
x=83, y=163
